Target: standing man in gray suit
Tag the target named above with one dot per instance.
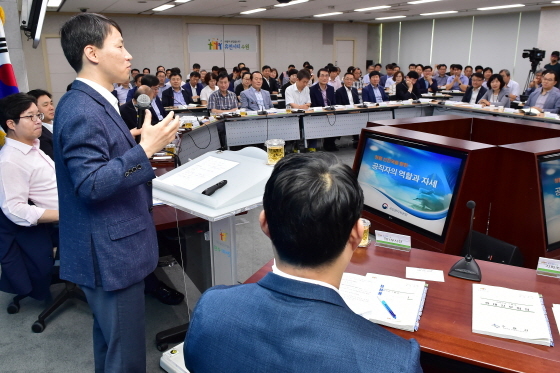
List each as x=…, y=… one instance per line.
x=108, y=241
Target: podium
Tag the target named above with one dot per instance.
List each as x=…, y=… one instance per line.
x=246, y=173
x=244, y=191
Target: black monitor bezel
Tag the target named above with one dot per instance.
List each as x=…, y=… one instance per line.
x=541, y=159
x=423, y=146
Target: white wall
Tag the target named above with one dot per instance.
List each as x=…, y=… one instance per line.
x=496, y=41
x=159, y=40
x=286, y=43
x=548, y=30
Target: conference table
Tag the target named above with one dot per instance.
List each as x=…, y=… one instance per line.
x=445, y=326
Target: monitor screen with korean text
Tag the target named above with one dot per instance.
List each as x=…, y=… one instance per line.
x=411, y=183
x=549, y=168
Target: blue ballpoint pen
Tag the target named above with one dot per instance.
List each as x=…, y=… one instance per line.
x=385, y=303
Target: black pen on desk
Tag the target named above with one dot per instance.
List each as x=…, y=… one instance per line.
x=209, y=191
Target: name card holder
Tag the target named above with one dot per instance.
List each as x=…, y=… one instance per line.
x=393, y=241
x=548, y=267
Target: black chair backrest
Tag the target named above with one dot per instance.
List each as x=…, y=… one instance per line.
x=491, y=249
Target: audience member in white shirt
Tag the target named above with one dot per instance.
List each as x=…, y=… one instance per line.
x=210, y=79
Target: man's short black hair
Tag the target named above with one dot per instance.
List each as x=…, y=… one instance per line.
x=292, y=72
x=170, y=76
x=348, y=73
x=422, y=66
x=378, y=65
x=466, y=67
x=441, y=65
x=321, y=70
x=478, y=67
x=147, y=68
x=223, y=75
x=499, y=78
x=149, y=80
x=374, y=73
x=236, y=69
x=427, y=67
x=306, y=63
x=175, y=70
x=311, y=202
x=389, y=66
x=291, y=66
x=133, y=70
x=160, y=72
x=12, y=106
x=457, y=66
x=168, y=70
x=265, y=67
x=38, y=93
x=157, y=68
x=550, y=72
x=412, y=75
x=196, y=66
x=245, y=68
x=477, y=75
x=215, y=68
x=240, y=63
x=139, y=76
x=303, y=74
x=333, y=69
x=411, y=65
x=82, y=30
x=309, y=67
x=195, y=74
x=488, y=69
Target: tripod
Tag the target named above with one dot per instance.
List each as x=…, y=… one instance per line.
x=531, y=76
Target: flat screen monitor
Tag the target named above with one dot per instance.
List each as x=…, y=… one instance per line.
x=549, y=169
x=411, y=183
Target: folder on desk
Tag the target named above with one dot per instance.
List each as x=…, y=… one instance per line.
x=386, y=300
x=511, y=314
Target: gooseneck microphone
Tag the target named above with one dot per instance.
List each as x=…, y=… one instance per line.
x=143, y=102
x=467, y=268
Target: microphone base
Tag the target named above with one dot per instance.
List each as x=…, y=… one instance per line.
x=466, y=269
x=262, y=112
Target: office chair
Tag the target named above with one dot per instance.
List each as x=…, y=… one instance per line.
x=27, y=262
x=491, y=249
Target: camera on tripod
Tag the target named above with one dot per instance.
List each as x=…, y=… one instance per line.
x=534, y=55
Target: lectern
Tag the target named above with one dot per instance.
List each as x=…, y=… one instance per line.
x=246, y=173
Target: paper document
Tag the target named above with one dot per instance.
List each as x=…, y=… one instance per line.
x=385, y=300
x=200, y=173
x=359, y=292
x=511, y=314
x=556, y=312
x=424, y=274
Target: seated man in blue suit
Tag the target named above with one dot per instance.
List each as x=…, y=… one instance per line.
x=547, y=97
x=347, y=94
x=476, y=90
x=108, y=240
x=322, y=94
x=157, y=106
x=256, y=98
x=176, y=95
x=137, y=83
x=427, y=83
x=374, y=92
x=194, y=86
x=294, y=320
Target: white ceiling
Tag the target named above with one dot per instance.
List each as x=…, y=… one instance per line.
x=232, y=8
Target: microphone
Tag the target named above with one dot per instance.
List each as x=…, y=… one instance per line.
x=143, y=102
x=261, y=110
x=467, y=268
x=329, y=107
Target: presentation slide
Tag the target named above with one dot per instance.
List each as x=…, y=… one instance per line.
x=550, y=181
x=410, y=184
